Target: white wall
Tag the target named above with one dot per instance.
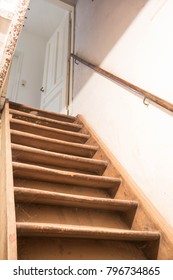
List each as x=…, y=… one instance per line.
x=32, y=48
x=132, y=39
x=44, y=17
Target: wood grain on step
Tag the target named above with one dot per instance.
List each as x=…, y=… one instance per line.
x=54, y=198
x=42, y=113
x=48, y=132
x=45, y=121
x=56, y=230
x=53, y=145
x=27, y=154
x=22, y=170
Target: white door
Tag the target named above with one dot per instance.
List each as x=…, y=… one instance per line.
x=55, y=79
x=14, y=76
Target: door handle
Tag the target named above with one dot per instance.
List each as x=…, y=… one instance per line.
x=42, y=89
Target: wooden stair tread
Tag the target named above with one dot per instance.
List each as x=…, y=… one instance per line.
x=43, y=113
x=48, y=132
x=45, y=121
x=60, y=230
x=22, y=170
x=27, y=154
x=53, y=145
x=27, y=195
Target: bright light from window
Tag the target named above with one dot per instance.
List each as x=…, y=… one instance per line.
x=8, y=5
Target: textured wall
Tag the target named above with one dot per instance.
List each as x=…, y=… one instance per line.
x=133, y=40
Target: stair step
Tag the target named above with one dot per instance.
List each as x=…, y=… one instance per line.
x=26, y=195
x=34, y=172
x=45, y=121
x=53, y=145
x=77, y=249
x=27, y=154
x=60, y=230
x=48, y=132
x=41, y=113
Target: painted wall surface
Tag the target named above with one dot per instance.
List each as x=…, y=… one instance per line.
x=12, y=15
x=32, y=49
x=133, y=40
x=43, y=18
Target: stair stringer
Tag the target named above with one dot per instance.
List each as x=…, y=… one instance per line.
x=147, y=216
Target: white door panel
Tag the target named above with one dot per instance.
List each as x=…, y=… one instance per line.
x=54, y=101
x=55, y=69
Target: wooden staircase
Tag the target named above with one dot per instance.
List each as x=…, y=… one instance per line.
x=62, y=197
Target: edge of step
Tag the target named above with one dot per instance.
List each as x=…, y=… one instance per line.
x=61, y=230
x=27, y=195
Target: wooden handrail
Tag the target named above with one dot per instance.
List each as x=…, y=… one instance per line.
x=147, y=95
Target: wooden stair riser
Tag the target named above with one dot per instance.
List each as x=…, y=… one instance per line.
x=45, y=121
x=61, y=188
x=65, y=215
x=30, y=155
x=48, y=132
x=76, y=249
x=52, y=145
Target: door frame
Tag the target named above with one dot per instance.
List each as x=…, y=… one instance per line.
x=71, y=10
x=70, y=74
x=71, y=64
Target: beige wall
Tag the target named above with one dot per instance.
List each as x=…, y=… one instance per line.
x=132, y=39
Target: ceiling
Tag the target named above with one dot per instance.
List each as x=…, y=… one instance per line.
x=70, y=2
x=43, y=17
